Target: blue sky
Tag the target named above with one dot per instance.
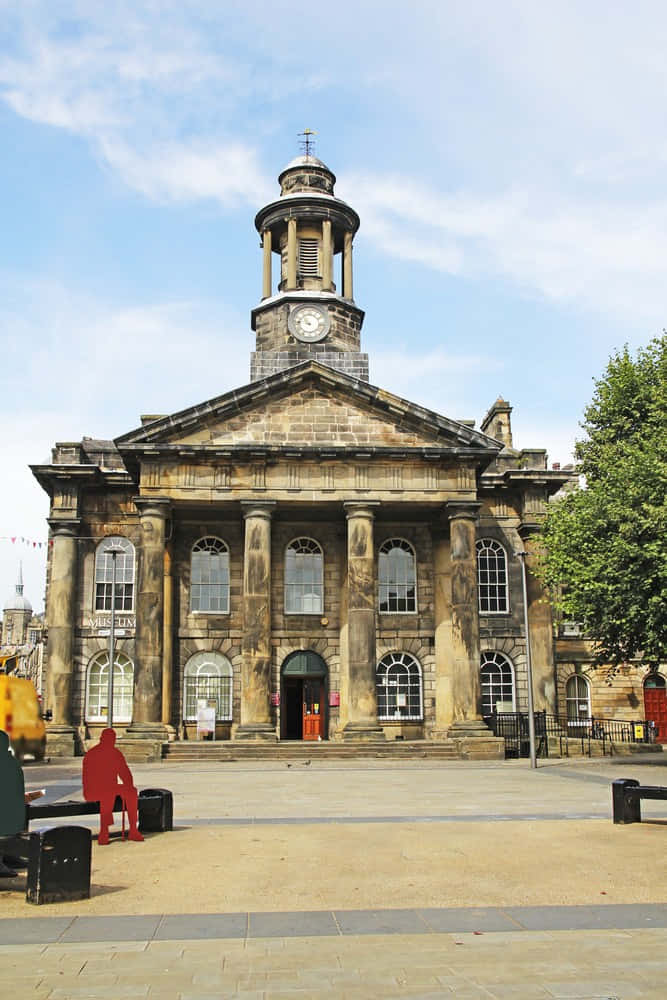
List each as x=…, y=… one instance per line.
x=507, y=161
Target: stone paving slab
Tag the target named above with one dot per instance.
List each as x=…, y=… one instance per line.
x=588, y=965
x=308, y=924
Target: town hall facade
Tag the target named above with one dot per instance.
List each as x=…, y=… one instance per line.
x=313, y=557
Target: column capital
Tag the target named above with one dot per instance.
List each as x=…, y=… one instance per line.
x=360, y=508
x=65, y=528
x=252, y=508
x=528, y=530
x=462, y=509
x=153, y=506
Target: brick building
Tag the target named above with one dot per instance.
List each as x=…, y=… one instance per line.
x=318, y=557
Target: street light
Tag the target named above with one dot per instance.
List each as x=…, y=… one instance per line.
x=521, y=556
x=113, y=551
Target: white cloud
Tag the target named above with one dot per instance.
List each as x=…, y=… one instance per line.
x=227, y=174
x=593, y=253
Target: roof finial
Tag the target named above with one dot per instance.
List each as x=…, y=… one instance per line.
x=307, y=143
x=19, y=584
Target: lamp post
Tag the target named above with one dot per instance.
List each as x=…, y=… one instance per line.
x=521, y=556
x=113, y=551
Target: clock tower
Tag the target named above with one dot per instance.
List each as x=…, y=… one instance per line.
x=304, y=316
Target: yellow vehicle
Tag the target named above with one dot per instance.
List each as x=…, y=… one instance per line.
x=21, y=716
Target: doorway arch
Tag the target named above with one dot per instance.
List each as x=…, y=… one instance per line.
x=655, y=704
x=304, y=680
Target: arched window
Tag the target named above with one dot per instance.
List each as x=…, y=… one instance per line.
x=124, y=574
x=399, y=687
x=577, y=701
x=97, y=688
x=492, y=577
x=397, y=577
x=304, y=578
x=208, y=677
x=497, y=681
x=209, y=576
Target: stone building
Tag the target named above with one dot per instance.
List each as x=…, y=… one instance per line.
x=315, y=556
x=21, y=637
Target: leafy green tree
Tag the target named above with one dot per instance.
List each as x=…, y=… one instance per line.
x=606, y=541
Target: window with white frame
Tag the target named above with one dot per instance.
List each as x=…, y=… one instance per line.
x=208, y=676
x=97, y=688
x=123, y=574
x=308, y=257
x=497, y=683
x=492, y=577
x=397, y=577
x=577, y=701
x=399, y=687
x=209, y=576
x=304, y=578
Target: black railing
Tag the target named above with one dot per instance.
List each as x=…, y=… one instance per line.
x=593, y=733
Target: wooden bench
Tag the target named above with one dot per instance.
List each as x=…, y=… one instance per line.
x=155, y=807
x=626, y=795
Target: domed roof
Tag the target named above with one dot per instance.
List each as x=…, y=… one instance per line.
x=17, y=602
x=305, y=161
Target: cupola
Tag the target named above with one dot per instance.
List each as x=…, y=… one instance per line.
x=309, y=312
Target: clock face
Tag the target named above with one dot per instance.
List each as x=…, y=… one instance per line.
x=309, y=323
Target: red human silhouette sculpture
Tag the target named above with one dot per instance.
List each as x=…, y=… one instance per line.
x=106, y=775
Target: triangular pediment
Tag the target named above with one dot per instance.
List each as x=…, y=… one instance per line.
x=308, y=406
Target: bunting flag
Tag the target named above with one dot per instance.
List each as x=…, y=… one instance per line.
x=29, y=542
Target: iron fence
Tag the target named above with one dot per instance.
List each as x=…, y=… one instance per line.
x=592, y=734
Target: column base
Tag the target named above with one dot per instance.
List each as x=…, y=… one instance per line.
x=475, y=741
x=263, y=731
x=147, y=731
x=61, y=741
x=363, y=731
x=471, y=728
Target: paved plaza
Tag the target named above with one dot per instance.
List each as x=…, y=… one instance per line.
x=362, y=878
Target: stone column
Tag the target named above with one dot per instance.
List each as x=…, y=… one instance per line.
x=361, y=647
x=60, y=621
x=266, y=276
x=347, y=267
x=147, y=707
x=465, y=656
x=291, y=255
x=327, y=256
x=256, y=721
x=540, y=624
x=167, y=638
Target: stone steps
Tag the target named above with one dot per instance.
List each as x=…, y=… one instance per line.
x=298, y=751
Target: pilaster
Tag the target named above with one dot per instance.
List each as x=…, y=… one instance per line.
x=540, y=624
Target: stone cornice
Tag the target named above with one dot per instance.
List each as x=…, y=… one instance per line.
x=550, y=480
x=87, y=475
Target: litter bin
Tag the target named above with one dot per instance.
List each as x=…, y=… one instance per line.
x=59, y=865
x=156, y=810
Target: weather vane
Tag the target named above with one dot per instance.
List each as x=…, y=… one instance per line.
x=307, y=143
